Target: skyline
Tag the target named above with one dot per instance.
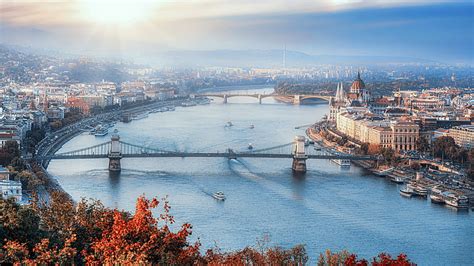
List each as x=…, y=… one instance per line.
x=442, y=31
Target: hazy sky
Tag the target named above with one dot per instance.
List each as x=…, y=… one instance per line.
x=440, y=30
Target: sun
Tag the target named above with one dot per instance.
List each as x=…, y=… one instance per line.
x=116, y=11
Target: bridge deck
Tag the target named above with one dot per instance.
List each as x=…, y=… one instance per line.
x=209, y=155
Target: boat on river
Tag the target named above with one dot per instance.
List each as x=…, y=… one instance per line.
x=406, y=192
x=219, y=196
x=420, y=191
x=437, y=199
x=100, y=132
x=457, y=201
x=397, y=179
x=382, y=172
x=342, y=162
x=140, y=116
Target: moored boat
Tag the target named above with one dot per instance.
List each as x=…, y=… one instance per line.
x=406, y=192
x=437, y=199
x=457, y=201
x=383, y=172
x=101, y=132
x=140, y=116
x=342, y=162
x=420, y=191
x=397, y=179
x=250, y=147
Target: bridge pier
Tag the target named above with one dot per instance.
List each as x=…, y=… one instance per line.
x=225, y=98
x=299, y=155
x=259, y=98
x=115, y=154
x=297, y=99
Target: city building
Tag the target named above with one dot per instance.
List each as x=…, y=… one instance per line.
x=4, y=173
x=11, y=189
x=463, y=135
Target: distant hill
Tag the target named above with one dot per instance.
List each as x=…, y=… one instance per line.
x=274, y=58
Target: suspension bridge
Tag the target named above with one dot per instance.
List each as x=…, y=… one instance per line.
x=297, y=98
x=115, y=150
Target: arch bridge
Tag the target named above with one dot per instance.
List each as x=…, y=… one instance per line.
x=297, y=98
x=115, y=150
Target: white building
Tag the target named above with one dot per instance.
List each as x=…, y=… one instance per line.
x=11, y=189
x=463, y=135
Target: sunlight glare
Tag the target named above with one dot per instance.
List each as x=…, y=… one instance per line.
x=117, y=11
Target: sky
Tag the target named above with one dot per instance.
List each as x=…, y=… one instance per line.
x=435, y=30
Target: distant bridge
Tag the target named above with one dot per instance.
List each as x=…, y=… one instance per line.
x=297, y=98
x=115, y=150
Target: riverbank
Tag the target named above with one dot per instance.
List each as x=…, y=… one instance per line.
x=55, y=140
x=404, y=172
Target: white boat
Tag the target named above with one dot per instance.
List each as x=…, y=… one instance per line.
x=250, y=147
x=406, y=192
x=397, y=179
x=342, y=162
x=437, y=199
x=228, y=124
x=188, y=104
x=101, y=132
x=219, y=195
x=140, y=116
x=420, y=191
x=457, y=201
x=384, y=172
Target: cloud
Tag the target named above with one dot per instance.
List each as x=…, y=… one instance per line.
x=410, y=28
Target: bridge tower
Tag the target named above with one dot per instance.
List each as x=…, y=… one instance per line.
x=225, y=98
x=115, y=154
x=259, y=98
x=297, y=99
x=299, y=155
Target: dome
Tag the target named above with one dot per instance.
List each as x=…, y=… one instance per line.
x=358, y=84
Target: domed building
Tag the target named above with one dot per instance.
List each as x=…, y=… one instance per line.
x=359, y=91
x=357, y=97
x=358, y=85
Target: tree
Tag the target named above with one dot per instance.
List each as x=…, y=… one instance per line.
x=348, y=259
x=388, y=155
x=18, y=223
x=64, y=233
x=373, y=149
x=8, y=152
x=142, y=239
x=422, y=145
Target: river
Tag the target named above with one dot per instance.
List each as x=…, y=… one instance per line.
x=328, y=208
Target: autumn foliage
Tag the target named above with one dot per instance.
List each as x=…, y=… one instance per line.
x=63, y=233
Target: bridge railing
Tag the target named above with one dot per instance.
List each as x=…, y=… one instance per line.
x=128, y=148
x=99, y=149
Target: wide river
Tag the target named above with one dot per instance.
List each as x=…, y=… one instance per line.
x=328, y=208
